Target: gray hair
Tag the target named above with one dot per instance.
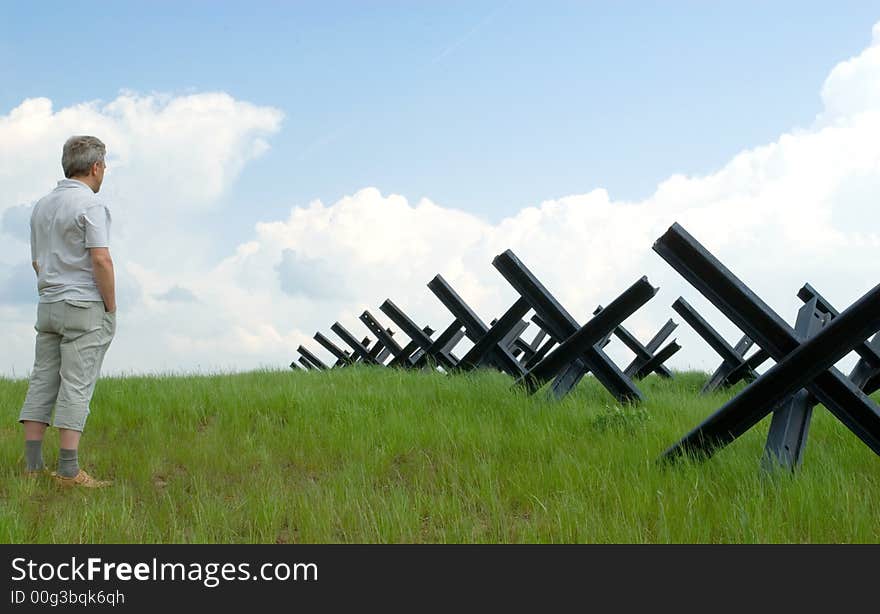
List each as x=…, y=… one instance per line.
x=80, y=153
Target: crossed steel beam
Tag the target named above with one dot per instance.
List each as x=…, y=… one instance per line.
x=734, y=365
x=438, y=351
x=647, y=359
x=866, y=373
x=588, y=336
x=787, y=437
x=560, y=325
x=799, y=363
x=491, y=345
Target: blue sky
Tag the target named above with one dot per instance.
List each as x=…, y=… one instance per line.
x=485, y=109
x=484, y=106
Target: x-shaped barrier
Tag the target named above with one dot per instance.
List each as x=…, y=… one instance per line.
x=574, y=359
x=491, y=345
x=439, y=351
x=648, y=360
x=800, y=363
x=734, y=364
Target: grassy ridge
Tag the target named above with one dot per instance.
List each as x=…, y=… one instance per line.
x=377, y=455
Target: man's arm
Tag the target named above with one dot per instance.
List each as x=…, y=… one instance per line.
x=36, y=267
x=102, y=265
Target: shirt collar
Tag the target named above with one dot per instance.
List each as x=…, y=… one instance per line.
x=72, y=183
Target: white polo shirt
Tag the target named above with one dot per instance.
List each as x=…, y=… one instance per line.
x=64, y=225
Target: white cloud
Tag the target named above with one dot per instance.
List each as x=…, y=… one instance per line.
x=170, y=158
x=795, y=210
x=854, y=85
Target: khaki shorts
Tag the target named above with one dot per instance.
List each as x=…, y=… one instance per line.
x=72, y=338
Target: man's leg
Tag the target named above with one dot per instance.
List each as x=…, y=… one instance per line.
x=68, y=454
x=87, y=335
x=33, y=446
x=45, y=379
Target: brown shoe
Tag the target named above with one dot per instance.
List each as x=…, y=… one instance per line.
x=36, y=473
x=81, y=479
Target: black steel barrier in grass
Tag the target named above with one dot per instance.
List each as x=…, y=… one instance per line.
x=314, y=360
x=343, y=357
x=648, y=359
x=801, y=362
x=560, y=325
x=360, y=349
x=525, y=350
x=562, y=351
x=490, y=347
x=866, y=373
x=734, y=365
x=790, y=423
x=588, y=336
x=439, y=350
x=558, y=350
x=384, y=336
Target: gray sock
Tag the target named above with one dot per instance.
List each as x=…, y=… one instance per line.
x=68, y=466
x=33, y=454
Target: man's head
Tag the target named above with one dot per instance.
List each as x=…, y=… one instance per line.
x=83, y=159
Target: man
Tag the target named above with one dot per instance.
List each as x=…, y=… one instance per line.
x=76, y=315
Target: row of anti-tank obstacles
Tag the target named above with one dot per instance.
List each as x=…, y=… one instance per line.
x=563, y=351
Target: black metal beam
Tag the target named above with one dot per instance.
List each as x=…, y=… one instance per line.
x=474, y=327
x=710, y=335
x=409, y=328
x=658, y=359
x=342, y=358
x=732, y=368
x=864, y=350
x=350, y=340
x=787, y=437
x=383, y=335
x=662, y=335
x=863, y=374
x=312, y=358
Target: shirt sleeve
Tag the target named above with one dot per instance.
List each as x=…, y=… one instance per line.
x=96, y=220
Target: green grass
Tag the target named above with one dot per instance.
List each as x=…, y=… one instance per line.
x=377, y=455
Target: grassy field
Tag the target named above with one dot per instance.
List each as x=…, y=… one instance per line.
x=376, y=455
